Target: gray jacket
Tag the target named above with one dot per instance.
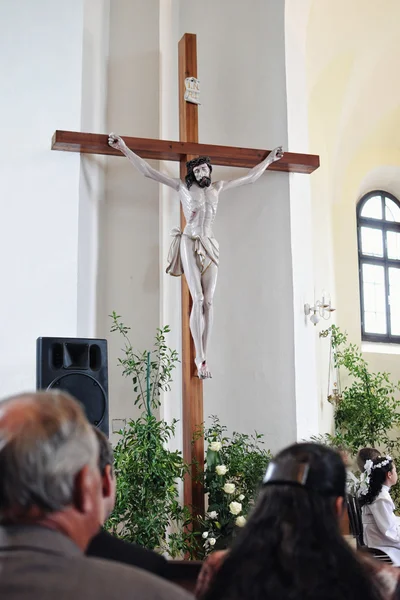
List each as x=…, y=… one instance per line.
x=42, y=564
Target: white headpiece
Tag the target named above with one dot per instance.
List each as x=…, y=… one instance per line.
x=366, y=475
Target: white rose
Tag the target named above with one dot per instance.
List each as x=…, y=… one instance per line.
x=235, y=508
x=240, y=521
x=215, y=446
x=241, y=497
x=205, y=535
x=229, y=488
x=212, y=541
x=221, y=469
x=213, y=515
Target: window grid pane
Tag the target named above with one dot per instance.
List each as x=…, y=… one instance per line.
x=394, y=300
x=379, y=255
x=374, y=299
x=393, y=245
x=371, y=241
x=373, y=208
x=392, y=211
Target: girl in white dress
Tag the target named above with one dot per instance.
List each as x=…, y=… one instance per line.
x=380, y=524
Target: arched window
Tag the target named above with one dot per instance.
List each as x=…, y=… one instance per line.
x=378, y=224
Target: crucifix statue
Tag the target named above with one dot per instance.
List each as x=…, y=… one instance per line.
x=195, y=251
x=196, y=248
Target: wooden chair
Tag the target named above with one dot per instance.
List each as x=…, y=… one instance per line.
x=184, y=573
x=356, y=529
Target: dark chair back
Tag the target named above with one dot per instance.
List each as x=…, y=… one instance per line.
x=356, y=528
x=355, y=518
x=184, y=573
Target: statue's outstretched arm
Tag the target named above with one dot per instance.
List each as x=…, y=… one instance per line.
x=115, y=141
x=254, y=173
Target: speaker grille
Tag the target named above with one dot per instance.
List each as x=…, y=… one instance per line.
x=87, y=390
x=77, y=366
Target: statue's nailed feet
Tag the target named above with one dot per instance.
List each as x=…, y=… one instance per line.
x=202, y=370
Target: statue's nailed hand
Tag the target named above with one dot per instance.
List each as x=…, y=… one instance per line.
x=276, y=154
x=116, y=142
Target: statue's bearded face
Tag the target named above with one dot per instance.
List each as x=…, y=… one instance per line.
x=202, y=175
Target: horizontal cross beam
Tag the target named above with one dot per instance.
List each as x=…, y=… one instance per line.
x=228, y=156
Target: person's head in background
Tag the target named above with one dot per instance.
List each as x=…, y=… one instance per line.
x=49, y=465
x=366, y=454
x=108, y=482
x=291, y=546
x=382, y=471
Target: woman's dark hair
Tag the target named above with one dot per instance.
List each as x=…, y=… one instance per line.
x=291, y=548
x=377, y=478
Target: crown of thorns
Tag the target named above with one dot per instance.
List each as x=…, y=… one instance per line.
x=195, y=162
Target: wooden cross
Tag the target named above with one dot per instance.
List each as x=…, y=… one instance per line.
x=187, y=148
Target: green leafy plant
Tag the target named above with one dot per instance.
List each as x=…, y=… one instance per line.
x=147, y=471
x=234, y=468
x=366, y=411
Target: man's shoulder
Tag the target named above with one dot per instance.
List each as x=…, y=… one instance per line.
x=118, y=579
x=65, y=575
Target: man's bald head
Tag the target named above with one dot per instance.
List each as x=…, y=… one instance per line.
x=45, y=441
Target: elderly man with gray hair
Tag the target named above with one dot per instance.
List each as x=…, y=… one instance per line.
x=51, y=506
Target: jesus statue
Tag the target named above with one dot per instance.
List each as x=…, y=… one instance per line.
x=195, y=251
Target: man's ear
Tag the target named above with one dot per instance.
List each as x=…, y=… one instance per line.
x=106, y=481
x=84, y=490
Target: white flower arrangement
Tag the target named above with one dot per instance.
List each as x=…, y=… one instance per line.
x=209, y=541
x=215, y=446
x=221, y=469
x=229, y=494
x=235, y=508
x=229, y=488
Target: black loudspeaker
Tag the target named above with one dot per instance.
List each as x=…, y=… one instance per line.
x=77, y=366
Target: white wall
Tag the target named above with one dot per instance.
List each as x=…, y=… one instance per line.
x=41, y=73
x=128, y=276
x=243, y=96
x=260, y=287
x=92, y=174
x=101, y=234
x=353, y=126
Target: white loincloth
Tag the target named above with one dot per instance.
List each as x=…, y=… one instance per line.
x=205, y=248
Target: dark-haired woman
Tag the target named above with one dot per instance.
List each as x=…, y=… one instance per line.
x=380, y=524
x=291, y=547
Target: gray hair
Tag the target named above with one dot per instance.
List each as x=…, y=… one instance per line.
x=43, y=446
x=106, y=454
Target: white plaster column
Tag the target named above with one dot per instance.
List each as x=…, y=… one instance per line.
x=128, y=274
x=301, y=223
x=169, y=210
x=92, y=173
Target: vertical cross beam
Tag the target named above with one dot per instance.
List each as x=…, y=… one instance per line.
x=192, y=386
